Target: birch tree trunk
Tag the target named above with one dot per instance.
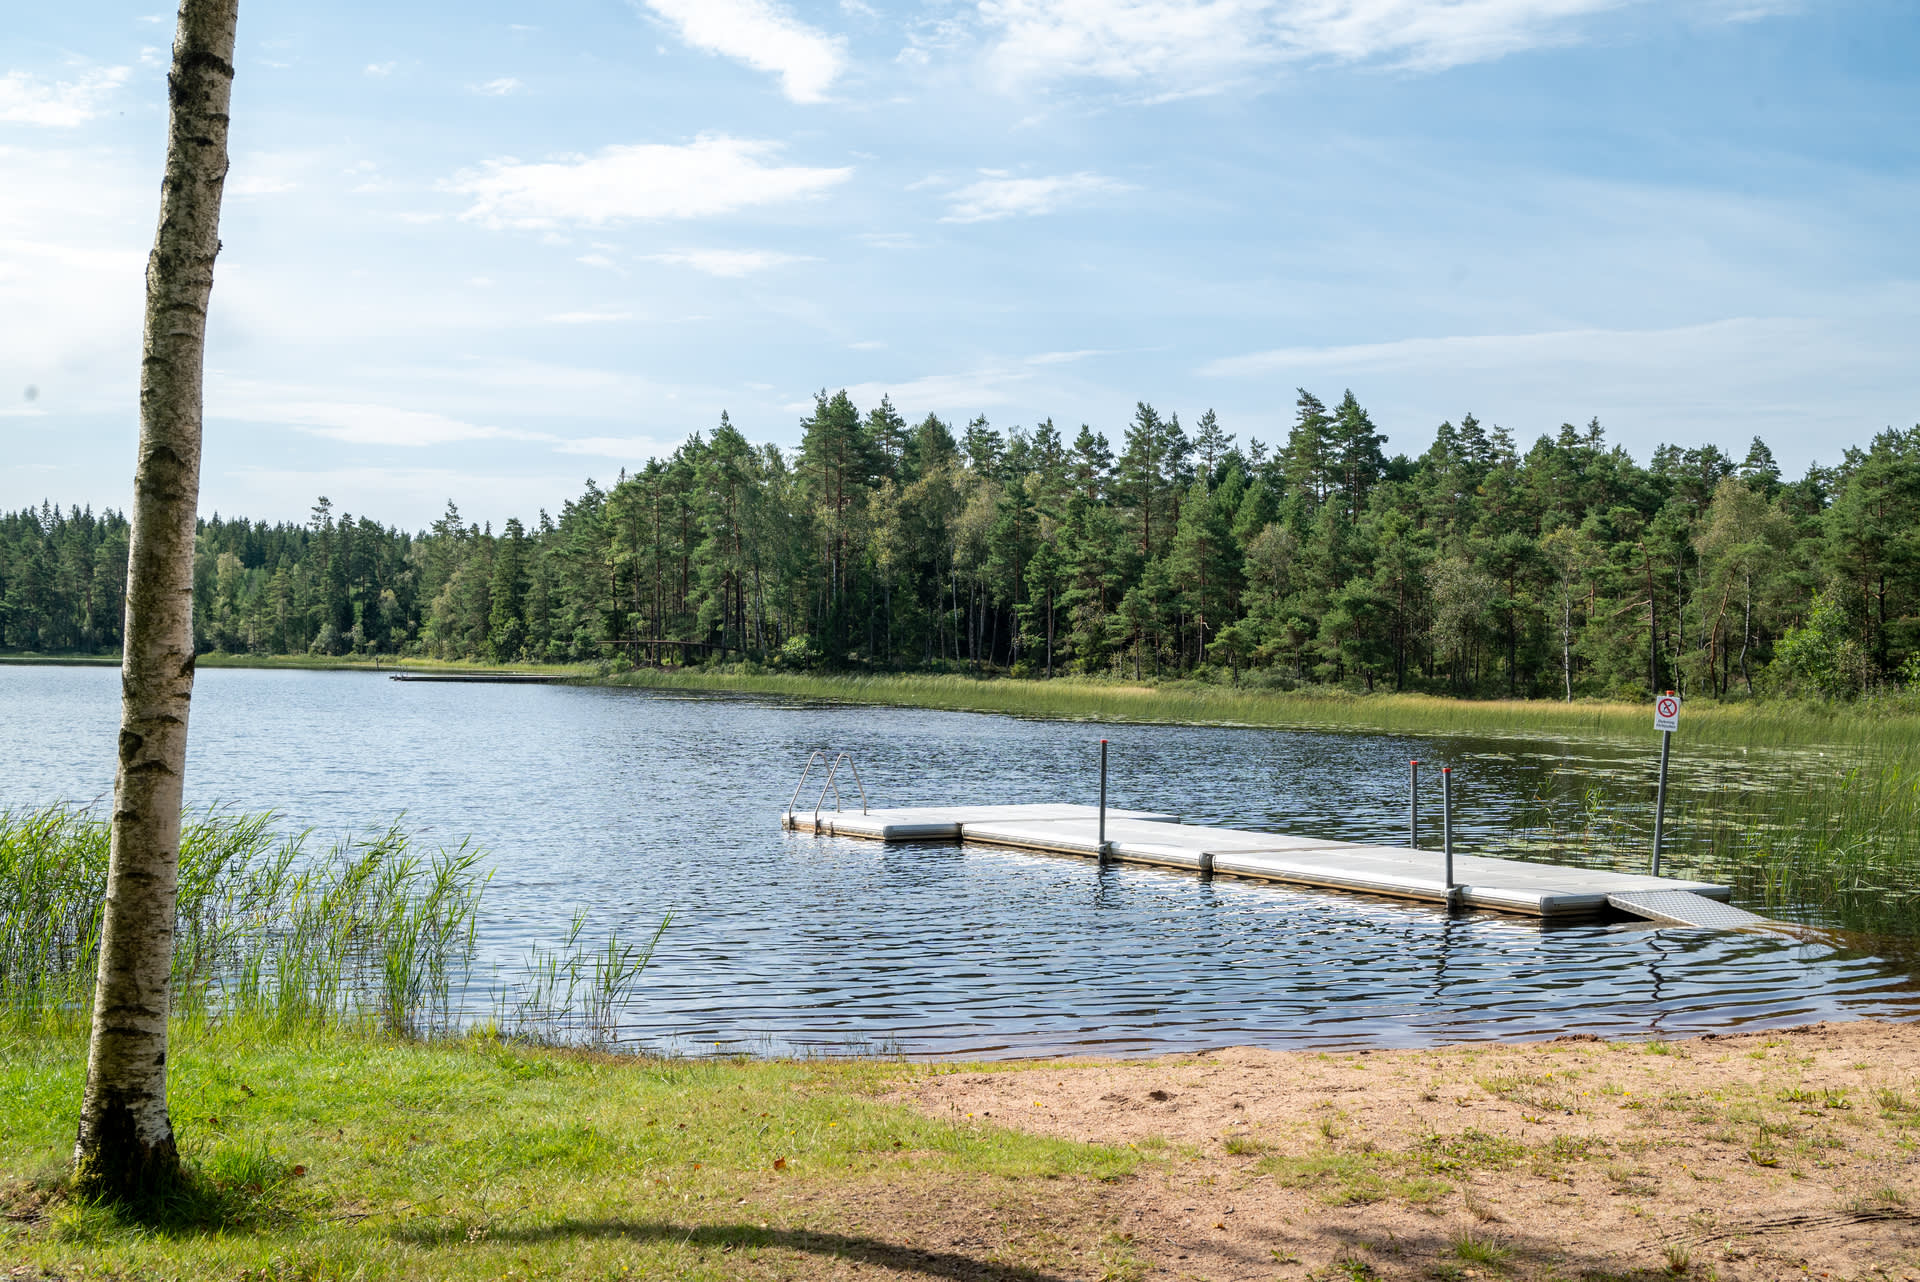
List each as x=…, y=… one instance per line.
x=125, y=1147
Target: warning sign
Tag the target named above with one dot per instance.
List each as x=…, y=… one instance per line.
x=1666, y=712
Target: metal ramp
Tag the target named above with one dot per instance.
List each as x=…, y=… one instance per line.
x=1685, y=908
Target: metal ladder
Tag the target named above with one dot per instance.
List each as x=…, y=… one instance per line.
x=833, y=771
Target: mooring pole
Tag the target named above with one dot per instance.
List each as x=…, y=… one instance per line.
x=1660, y=800
x=1413, y=805
x=1103, y=801
x=1446, y=825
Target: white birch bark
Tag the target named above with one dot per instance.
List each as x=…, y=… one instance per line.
x=125, y=1145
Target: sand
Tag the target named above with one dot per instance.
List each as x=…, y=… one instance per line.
x=1786, y=1153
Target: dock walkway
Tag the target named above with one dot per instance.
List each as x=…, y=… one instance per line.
x=1141, y=837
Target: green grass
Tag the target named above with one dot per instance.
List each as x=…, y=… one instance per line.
x=328, y=1153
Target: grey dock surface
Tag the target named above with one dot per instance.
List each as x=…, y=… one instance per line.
x=1503, y=885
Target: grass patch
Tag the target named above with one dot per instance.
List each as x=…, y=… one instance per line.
x=347, y=1154
x=1469, y=1150
x=1354, y=1179
x=1474, y=1249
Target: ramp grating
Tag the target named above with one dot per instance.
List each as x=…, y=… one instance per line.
x=1684, y=908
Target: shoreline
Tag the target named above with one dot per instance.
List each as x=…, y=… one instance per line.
x=1740, y=1157
x=1886, y=722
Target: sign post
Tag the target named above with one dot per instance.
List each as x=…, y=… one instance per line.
x=1666, y=719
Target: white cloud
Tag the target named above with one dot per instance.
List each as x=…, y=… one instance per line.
x=712, y=175
x=994, y=198
x=497, y=88
x=950, y=394
x=1175, y=43
x=889, y=239
x=764, y=36
x=615, y=447
x=586, y=318
x=1501, y=351
x=362, y=424
x=868, y=345
x=1066, y=358
x=597, y=260
x=27, y=100
x=730, y=263
x=379, y=69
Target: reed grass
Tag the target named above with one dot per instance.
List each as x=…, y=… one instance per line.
x=1870, y=723
x=370, y=932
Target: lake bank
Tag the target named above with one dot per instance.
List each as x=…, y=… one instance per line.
x=1892, y=720
x=1742, y=1156
x=1191, y=703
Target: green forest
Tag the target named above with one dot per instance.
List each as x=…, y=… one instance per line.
x=1565, y=570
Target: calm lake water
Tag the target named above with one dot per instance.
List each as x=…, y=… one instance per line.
x=631, y=804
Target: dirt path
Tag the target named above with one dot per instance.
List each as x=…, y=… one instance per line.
x=1790, y=1153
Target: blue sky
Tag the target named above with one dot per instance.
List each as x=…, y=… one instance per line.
x=485, y=251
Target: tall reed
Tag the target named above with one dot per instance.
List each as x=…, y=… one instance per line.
x=367, y=932
x=1876, y=723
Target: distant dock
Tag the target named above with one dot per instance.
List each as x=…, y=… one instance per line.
x=1141, y=837
x=486, y=678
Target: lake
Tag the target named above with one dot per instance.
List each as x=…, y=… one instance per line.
x=630, y=804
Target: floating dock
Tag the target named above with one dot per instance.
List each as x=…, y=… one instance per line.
x=1141, y=837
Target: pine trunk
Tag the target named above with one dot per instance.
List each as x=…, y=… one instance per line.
x=125, y=1146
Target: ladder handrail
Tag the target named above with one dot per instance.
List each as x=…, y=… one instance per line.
x=848, y=758
x=833, y=771
x=820, y=756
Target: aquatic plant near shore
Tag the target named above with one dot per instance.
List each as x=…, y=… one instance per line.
x=368, y=932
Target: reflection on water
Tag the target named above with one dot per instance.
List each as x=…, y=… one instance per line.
x=632, y=804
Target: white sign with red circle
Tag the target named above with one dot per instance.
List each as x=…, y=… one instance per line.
x=1666, y=712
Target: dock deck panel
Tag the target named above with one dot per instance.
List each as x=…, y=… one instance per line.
x=1502, y=885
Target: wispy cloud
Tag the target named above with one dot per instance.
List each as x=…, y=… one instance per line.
x=765, y=36
x=63, y=104
x=587, y=318
x=1499, y=351
x=1176, y=43
x=712, y=175
x=497, y=88
x=615, y=447
x=889, y=239
x=1000, y=197
x=380, y=69
x=1066, y=358
x=363, y=424
x=730, y=263
x=952, y=394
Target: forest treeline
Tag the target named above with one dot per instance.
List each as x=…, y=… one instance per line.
x=1568, y=569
